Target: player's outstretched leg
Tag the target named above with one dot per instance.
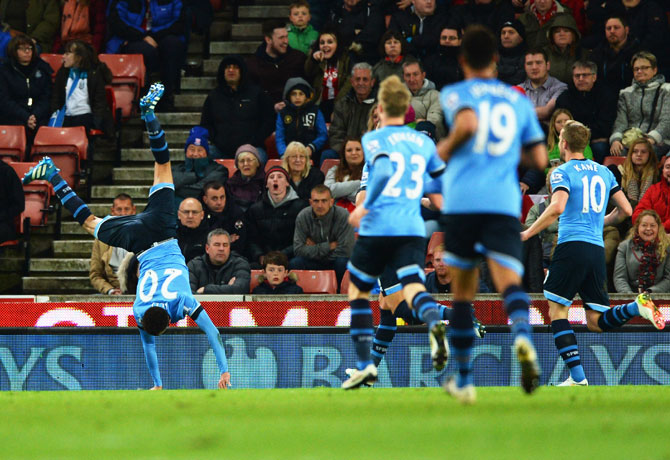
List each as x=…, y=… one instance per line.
x=157, y=142
x=619, y=315
x=46, y=170
x=428, y=312
x=361, y=334
x=516, y=304
x=462, y=337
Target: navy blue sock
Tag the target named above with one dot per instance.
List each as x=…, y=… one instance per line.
x=405, y=313
x=384, y=335
x=566, y=344
x=617, y=316
x=157, y=141
x=516, y=304
x=70, y=200
x=445, y=312
x=462, y=337
x=361, y=331
x=426, y=308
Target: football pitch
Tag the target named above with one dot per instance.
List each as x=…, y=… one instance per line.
x=624, y=422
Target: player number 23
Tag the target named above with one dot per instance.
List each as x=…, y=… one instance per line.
x=416, y=176
x=151, y=277
x=500, y=122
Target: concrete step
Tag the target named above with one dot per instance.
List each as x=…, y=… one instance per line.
x=198, y=84
x=73, y=229
x=102, y=209
x=176, y=138
x=190, y=101
x=262, y=12
x=133, y=175
x=11, y=264
x=80, y=248
x=130, y=156
x=247, y=31
x=110, y=191
x=65, y=265
x=61, y=284
x=234, y=47
x=169, y=120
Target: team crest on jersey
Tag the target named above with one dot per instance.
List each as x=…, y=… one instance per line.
x=288, y=119
x=451, y=100
x=556, y=177
x=373, y=146
x=239, y=224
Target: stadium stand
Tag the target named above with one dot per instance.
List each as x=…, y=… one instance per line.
x=12, y=143
x=54, y=60
x=67, y=147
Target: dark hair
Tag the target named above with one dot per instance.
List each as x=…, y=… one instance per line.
x=270, y=25
x=213, y=184
x=155, y=320
x=275, y=258
x=329, y=29
x=536, y=51
x=393, y=34
x=322, y=188
x=479, y=47
x=16, y=42
x=622, y=19
x=123, y=197
x=344, y=169
x=88, y=59
x=411, y=61
x=298, y=4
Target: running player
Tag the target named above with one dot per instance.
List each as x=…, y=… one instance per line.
x=391, y=230
x=490, y=124
x=581, y=189
x=163, y=291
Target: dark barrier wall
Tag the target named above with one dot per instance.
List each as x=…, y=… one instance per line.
x=289, y=358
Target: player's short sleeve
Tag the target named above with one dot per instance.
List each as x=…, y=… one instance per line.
x=453, y=99
x=435, y=166
x=433, y=186
x=372, y=147
x=531, y=132
x=560, y=180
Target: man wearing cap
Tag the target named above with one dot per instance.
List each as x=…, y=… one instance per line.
x=237, y=111
x=511, y=50
x=198, y=168
x=272, y=219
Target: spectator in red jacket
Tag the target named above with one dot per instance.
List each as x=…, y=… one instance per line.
x=82, y=20
x=657, y=198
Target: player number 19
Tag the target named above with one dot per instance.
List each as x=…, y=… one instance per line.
x=500, y=122
x=589, y=199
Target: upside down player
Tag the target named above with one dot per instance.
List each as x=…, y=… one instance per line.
x=163, y=291
x=581, y=189
x=490, y=124
x=391, y=228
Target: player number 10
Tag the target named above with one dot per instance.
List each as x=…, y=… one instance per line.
x=589, y=199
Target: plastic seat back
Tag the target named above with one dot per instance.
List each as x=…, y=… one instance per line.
x=128, y=74
x=66, y=147
x=329, y=163
x=54, y=60
x=229, y=163
x=317, y=281
x=12, y=143
x=272, y=162
x=612, y=160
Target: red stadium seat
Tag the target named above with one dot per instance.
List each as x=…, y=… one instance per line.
x=271, y=146
x=54, y=60
x=21, y=168
x=272, y=162
x=329, y=163
x=229, y=163
x=317, y=281
x=67, y=147
x=254, y=279
x=344, y=284
x=436, y=239
x=12, y=143
x=612, y=160
x=128, y=73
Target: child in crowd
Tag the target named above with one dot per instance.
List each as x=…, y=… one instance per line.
x=301, y=120
x=275, y=278
x=301, y=34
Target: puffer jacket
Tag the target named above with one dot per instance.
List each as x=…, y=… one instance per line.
x=657, y=198
x=215, y=278
x=21, y=96
x=561, y=60
x=635, y=106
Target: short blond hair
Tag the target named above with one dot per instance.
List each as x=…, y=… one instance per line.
x=394, y=96
x=297, y=148
x=576, y=135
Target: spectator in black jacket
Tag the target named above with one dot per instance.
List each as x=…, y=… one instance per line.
x=192, y=229
x=420, y=25
x=25, y=86
x=442, y=67
x=360, y=23
x=12, y=201
x=591, y=105
x=274, y=62
x=276, y=278
x=272, y=220
x=219, y=271
x=199, y=167
x=490, y=13
x=512, y=51
x=220, y=212
x=237, y=112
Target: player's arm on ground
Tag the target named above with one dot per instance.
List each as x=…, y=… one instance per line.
x=464, y=127
x=149, y=346
x=622, y=209
x=559, y=198
x=205, y=323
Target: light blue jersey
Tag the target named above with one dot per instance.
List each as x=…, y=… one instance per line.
x=164, y=282
x=397, y=211
x=481, y=177
x=590, y=186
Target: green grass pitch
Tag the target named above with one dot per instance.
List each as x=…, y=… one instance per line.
x=626, y=422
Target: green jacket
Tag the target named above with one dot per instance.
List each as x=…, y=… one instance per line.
x=42, y=21
x=315, y=70
x=302, y=39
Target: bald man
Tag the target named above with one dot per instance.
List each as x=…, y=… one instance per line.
x=192, y=229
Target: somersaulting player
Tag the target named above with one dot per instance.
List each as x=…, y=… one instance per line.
x=163, y=291
x=581, y=190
